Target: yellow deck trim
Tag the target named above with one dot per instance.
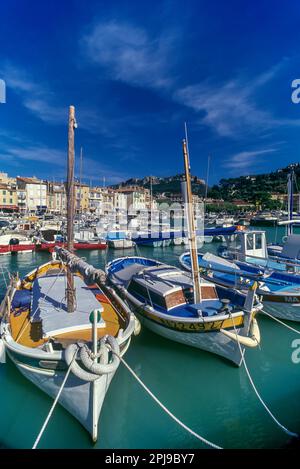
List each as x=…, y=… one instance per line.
x=30, y=334
x=24, y=332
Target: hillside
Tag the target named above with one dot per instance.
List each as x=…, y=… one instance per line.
x=170, y=184
x=254, y=188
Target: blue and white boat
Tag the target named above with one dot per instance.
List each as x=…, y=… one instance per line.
x=184, y=307
x=279, y=290
x=162, y=297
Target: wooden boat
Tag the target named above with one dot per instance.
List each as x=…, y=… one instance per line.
x=162, y=298
x=63, y=318
x=184, y=308
x=14, y=242
x=89, y=246
x=279, y=290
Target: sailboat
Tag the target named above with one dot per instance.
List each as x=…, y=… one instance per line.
x=183, y=307
x=279, y=290
x=63, y=317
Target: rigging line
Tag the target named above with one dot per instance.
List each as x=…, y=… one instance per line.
x=143, y=273
x=281, y=322
x=37, y=308
x=167, y=411
x=54, y=403
x=254, y=387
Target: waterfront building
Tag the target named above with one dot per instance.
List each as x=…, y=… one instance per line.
x=8, y=197
x=32, y=194
x=82, y=197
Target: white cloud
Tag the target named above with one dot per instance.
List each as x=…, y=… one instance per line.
x=55, y=160
x=129, y=54
x=246, y=159
x=230, y=109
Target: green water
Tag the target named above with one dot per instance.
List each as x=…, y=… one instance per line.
x=207, y=393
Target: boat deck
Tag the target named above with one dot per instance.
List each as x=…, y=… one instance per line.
x=38, y=315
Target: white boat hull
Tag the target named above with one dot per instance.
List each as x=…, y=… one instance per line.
x=82, y=399
x=290, y=312
x=214, y=342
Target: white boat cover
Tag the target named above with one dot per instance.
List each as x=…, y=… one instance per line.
x=223, y=263
x=51, y=307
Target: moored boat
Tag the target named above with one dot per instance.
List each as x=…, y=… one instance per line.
x=183, y=307
x=163, y=299
x=64, y=327
x=280, y=291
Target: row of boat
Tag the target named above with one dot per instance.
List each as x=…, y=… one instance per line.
x=67, y=325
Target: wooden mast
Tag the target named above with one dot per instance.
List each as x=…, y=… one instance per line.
x=70, y=291
x=80, y=181
x=191, y=225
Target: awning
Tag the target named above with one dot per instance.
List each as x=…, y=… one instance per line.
x=9, y=207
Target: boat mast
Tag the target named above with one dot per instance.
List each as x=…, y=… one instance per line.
x=290, y=201
x=207, y=175
x=80, y=180
x=70, y=291
x=191, y=225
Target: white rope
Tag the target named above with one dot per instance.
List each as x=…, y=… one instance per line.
x=281, y=322
x=4, y=278
x=189, y=430
x=255, y=389
x=54, y=403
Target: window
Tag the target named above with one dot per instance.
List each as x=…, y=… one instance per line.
x=250, y=242
x=4, y=201
x=258, y=241
x=10, y=201
x=136, y=288
x=4, y=192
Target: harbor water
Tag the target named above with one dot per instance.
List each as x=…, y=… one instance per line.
x=207, y=393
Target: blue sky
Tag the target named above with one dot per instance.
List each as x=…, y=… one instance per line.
x=135, y=71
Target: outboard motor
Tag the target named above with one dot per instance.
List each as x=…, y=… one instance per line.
x=14, y=241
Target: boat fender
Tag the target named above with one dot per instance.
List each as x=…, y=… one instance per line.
x=101, y=368
x=137, y=326
x=2, y=351
x=252, y=341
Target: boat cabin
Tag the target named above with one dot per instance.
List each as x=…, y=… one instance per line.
x=167, y=288
x=248, y=245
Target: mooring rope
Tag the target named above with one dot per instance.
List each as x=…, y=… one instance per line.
x=4, y=278
x=167, y=411
x=281, y=322
x=286, y=430
x=54, y=403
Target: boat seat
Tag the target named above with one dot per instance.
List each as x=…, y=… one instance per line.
x=207, y=307
x=123, y=276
